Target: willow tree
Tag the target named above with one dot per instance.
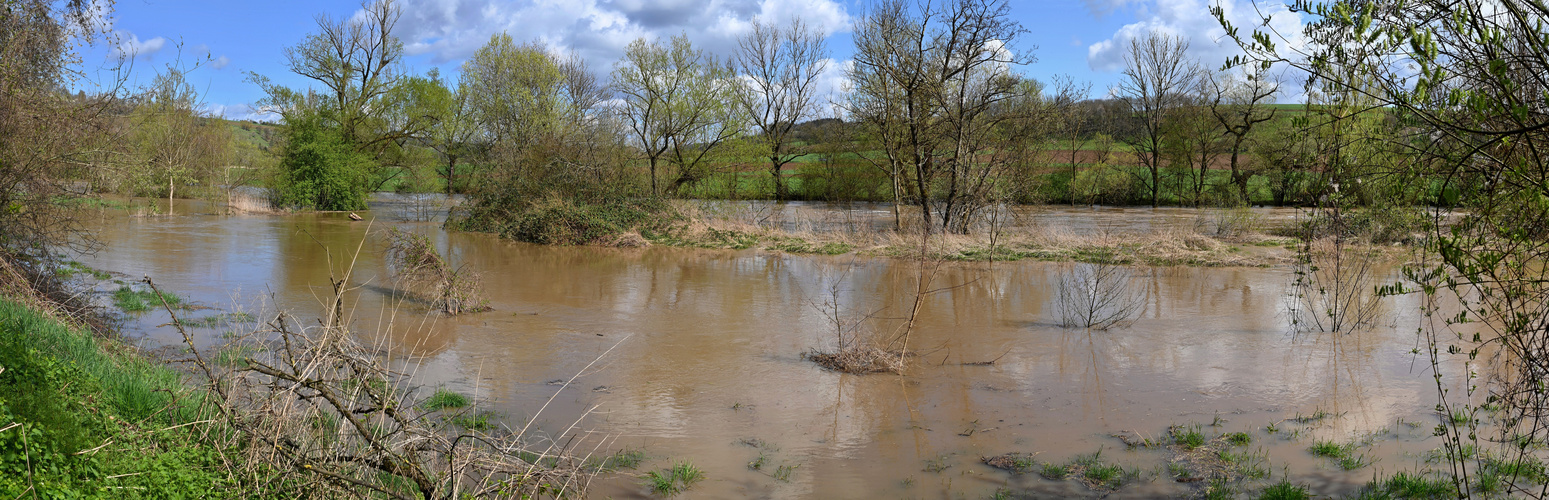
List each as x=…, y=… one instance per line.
x=1466, y=81
x=172, y=142
x=357, y=63
x=680, y=106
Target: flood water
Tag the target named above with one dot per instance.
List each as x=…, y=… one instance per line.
x=706, y=355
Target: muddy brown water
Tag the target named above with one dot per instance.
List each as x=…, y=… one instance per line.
x=708, y=356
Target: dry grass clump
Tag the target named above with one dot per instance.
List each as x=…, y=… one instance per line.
x=793, y=231
x=420, y=268
x=858, y=358
x=856, y=348
x=242, y=201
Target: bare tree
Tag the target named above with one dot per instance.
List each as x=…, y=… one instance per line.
x=356, y=59
x=1069, y=100
x=1239, y=105
x=47, y=136
x=782, y=68
x=1197, y=136
x=1100, y=296
x=934, y=83
x=1158, y=75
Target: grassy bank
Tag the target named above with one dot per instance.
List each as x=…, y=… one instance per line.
x=82, y=417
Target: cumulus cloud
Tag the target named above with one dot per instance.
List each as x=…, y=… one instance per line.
x=1192, y=20
x=130, y=46
x=220, y=62
x=597, y=30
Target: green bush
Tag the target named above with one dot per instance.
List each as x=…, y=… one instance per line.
x=321, y=170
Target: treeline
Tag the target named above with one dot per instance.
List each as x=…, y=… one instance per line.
x=937, y=115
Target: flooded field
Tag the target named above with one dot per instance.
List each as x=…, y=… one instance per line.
x=706, y=355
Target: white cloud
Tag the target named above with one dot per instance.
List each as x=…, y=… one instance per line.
x=597, y=30
x=220, y=62
x=1192, y=20
x=130, y=46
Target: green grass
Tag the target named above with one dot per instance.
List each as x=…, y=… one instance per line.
x=623, y=459
x=1053, y=471
x=1285, y=490
x=479, y=421
x=71, y=268
x=1343, y=455
x=673, y=480
x=1239, y=438
x=444, y=399
x=1328, y=449
x=1189, y=438
x=235, y=356
x=218, y=320
x=70, y=392
x=784, y=471
x=131, y=300
x=1408, y=485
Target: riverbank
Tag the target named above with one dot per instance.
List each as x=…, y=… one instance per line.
x=83, y=416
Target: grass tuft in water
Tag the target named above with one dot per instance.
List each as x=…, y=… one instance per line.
x=444, y=399
x=673, y=480
x=1054, y=471
x=130, y=300
x=1285, y=490
x=623, y=459
x=476, y=422
x=1415, y=486
x=1189, y=438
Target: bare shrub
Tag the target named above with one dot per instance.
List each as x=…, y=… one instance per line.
x=1099, y=296
x=857, y=348
x=1235, y=223
x=1333, y=289
x=312, y=411
x=421, y=269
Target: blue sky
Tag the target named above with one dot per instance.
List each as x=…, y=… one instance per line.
x=1079, y=38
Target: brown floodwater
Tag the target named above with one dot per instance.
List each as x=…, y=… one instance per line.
x=706, y=355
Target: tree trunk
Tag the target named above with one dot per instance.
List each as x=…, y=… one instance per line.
x=654, y=190
x=779, y=183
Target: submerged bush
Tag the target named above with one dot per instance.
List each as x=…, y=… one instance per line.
x=420, y=267
x=558, y=221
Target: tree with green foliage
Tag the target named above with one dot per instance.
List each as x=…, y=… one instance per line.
x=1462, y=84
x=172, y=143
x=680, y=105
x=366, y=99
x=452, y=130
x=320, y=168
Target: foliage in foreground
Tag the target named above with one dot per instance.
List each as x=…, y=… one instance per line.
x=78, y=422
